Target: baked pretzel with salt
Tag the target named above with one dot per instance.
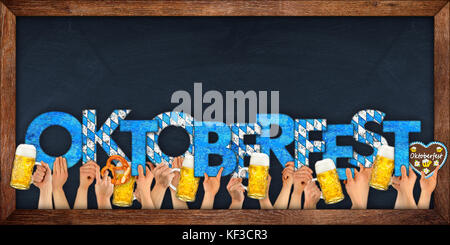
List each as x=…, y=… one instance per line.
x=112, y=168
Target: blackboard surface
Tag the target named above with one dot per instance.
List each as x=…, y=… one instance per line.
x=323, y=67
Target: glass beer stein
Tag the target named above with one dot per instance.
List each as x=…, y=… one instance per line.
x=383, y=167
x=123, y=195
x=329, y=181
x=22, y=172
x=258, y=173
x=188, y=184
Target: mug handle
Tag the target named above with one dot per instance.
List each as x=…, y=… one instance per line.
x=240, y=174
x=170, y=185
x=321, y=195
x=36, y=164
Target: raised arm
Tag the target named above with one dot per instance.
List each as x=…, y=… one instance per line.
x=103, y=190
x=288, y=180
x=87, y=175
x=301, y=178
x=143, y=185
x=60, y=176
x=163, y=176
x=236, y=191
x=404, y=186
x=42, y=179
x=211, y=186
x=358, y=187
x=427, y=187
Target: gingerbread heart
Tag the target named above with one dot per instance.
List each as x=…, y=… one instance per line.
x=426, y=158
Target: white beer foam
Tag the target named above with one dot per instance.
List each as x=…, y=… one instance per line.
x=386, y=151
x=259, y=159
x=26, y=150
x=188, y=161
x=324, y=165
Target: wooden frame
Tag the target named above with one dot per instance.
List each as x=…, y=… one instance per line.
x=9, y=9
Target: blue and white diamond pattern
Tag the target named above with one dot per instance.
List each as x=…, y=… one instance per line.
x=165, y=119
x=91, y=137
x=362, y=135
x=238, y=131
x=303, y=145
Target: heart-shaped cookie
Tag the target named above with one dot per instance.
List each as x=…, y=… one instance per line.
x=427, y=158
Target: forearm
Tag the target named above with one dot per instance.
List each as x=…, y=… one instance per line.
x=208, y=201
x=235, y=205
x=147, y=202
x=81, y=199
x=424, y=200
x=103, y=203
x=45, y=199
x=296, y=200
x=405, y=201
x=60, y=199
x=157, y=195
x=265, y=203
x=177, y=203
x=283, y=198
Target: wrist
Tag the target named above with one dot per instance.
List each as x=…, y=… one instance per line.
x=209, y=195
x=236, y=204
x=159, y=186
x=298, y=190
x=83, y=188
x=309, y=205
x=103, y=202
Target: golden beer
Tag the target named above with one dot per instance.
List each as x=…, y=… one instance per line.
x=329, y=181
x=188, y=183
x=257, y=181
x=383, y=167
x=123, y=193
x=258, y=173
x=23, y=165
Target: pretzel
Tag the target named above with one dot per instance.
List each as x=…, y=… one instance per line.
x=125, y=166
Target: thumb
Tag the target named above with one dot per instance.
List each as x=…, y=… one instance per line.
x=348, y=173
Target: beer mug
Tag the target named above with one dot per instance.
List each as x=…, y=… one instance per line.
x=188, y=184
x=22, y=172
x=383, y=167
x=258, y=173
x=123, y=194
x=329, y=181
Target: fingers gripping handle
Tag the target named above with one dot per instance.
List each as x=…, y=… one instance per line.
x=242, y=174
x=174, y=170
x=321, y=194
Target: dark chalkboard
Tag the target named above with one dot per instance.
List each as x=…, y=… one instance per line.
x=323, y=67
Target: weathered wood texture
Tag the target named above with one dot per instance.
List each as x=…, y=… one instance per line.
x=442, y=104
x=223, y=217
x=225, y=8
x=7, y=108
x=8, y=214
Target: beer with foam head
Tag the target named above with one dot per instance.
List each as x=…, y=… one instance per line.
x=329, y=181
x=258, y=173
x=23, y=165
x=188, y=184
x=383, y=167
x=123, y=195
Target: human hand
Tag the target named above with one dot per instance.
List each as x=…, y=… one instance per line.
x=236, y=191
x=312, y=195
x=405, y=183
x=404, y=186
x=60, y=174
x=163, y=175
x=288, y=174
x=143, y=185
x=427, y=185
x=42, y=177
x=302, y=177
x=103, y=190
x=358, y=187
x=211, y=185
x=177, y=163
x=88, y=174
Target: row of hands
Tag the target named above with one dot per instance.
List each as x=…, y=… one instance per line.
x=294, y=181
